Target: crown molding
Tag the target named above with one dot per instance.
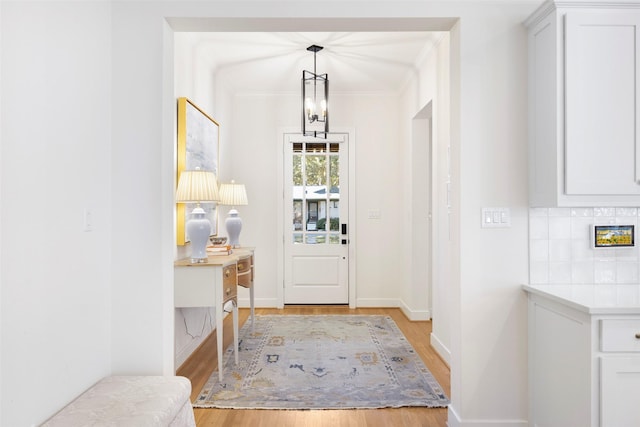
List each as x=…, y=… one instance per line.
x=551, y=6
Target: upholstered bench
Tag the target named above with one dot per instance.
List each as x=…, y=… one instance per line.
x=132, y=401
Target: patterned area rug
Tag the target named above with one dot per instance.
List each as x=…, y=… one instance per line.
x=322, y=362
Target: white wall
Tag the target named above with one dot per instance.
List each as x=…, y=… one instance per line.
x=134, y=182
x=56, y=138
x=142, y=181
x=489, y=343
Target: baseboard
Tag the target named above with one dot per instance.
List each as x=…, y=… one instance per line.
x=258, y=302
x=454, y=420
x=441, y=349
x=378, y=302
x=415, y=315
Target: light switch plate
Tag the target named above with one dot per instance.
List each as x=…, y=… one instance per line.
x=496, y=217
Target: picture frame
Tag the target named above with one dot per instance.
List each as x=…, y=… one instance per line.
x=198, y=145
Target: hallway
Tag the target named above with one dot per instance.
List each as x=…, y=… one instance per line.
x=198, y=369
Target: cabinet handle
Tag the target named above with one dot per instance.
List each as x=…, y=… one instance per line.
x=240, y=266
x=226, y=273
x=228, y=291
x=638, y=336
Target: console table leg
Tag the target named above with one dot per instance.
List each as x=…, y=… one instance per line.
x=235, y=329
x=219, y=329
x=253, y=312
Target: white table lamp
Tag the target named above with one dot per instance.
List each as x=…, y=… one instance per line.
x=198, y=186
x=233, y=195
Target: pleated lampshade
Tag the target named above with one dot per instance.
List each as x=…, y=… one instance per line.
x=233, y=194
x=197, y=186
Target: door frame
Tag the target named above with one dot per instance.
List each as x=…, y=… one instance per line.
x=422, y=140
x=282, y=132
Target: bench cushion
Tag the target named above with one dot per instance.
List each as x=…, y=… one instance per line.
x=130, y=401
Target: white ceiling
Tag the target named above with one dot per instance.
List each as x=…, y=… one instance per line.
x=259, y=62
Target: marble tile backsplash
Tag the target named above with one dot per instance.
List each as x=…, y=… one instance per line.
x=561, y=252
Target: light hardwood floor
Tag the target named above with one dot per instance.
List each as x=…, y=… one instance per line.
x=199, y=367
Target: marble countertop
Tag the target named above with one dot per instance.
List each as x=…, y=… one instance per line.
x=593, y=299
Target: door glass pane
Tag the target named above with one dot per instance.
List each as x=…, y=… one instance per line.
x=315, y=239
x=334, y=215
x=312, y=216
x=334, y=192
x=297, y=238
x=297, y=215
x=334, y=239
x=297, y=171
x=322, y=215
x=316, y=170
x=334, y=170
x=316, y=147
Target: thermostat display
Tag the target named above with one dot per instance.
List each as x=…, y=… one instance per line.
x=616, y=236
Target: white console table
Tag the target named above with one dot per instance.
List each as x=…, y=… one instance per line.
x=213, y=284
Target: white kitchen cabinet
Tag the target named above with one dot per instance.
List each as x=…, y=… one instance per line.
x=584, y=355
x=620, y=371
x=584, y=71
x=620, y=385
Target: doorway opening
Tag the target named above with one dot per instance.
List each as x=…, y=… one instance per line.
x=422, y=245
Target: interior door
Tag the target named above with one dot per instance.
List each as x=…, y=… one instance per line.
x=316, y=239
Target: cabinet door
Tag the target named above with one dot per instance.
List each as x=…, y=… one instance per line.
x=620, y=382
x=602, y=70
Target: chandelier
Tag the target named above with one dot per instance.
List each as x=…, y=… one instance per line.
x=315, y=100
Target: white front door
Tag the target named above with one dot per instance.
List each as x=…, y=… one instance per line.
x=316, y=250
